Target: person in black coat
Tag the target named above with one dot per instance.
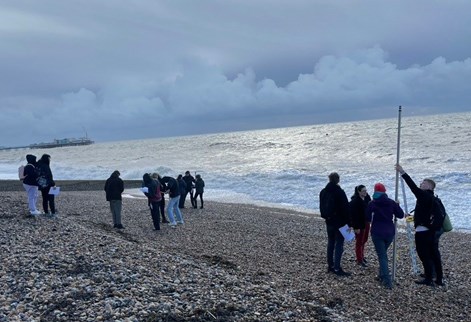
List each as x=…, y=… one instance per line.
x=189, y=181
x=358, y=203
x=46, y=183
x=335, y=210
x=171, y=186
x=425, y=242
x=182, y=186
x=199, y=190
x=114, y=187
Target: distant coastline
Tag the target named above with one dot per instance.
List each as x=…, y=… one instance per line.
x=57, y=143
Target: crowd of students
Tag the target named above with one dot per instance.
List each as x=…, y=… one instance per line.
x=375, y=217
x=155, y=187
x=365, y=215
x=37, y=176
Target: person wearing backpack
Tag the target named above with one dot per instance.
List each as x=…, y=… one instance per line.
x=334, y=209
x=426, y=244
x=45, y=183
x=154, y=197
x=157, y=179
x=114, y=187
x=30, y=176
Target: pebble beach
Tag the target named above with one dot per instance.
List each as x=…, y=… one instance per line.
x=228, y=262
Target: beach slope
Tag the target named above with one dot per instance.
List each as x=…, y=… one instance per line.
x=229, y=262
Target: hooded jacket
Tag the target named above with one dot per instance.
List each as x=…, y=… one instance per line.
x=199, y=185
x=189, y=181
x=114, y=187
x=153, y=187
x=44, y=171
x=171, y=185
x=380, y=213
x=30, y=171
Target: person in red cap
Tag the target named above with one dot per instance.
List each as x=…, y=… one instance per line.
x=380, y=213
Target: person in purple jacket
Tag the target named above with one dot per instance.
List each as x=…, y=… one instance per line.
x=380, y=213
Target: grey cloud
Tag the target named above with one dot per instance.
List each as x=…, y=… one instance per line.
x=196, y=67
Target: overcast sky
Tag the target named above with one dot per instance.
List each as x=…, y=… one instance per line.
x=139, y=69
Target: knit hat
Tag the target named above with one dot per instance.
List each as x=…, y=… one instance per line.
x=379, y=187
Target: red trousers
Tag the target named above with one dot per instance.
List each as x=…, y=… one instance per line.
x=360, y=241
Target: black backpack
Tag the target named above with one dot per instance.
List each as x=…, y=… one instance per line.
x=438, y=214
x=327, y=204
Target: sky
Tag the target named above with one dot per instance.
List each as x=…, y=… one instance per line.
x=119, y=70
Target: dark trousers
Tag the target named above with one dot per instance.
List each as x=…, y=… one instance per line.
x=192, y=199
x=428, y=250
x=181, y=203
x=48, y=200
x=335, y=242
x=162, y=209
x=154, y=212
x=195, y=204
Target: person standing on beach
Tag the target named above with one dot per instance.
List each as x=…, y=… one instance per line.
x=154, y=196
x=358, y=204
x=182, y=187
x=46, y=183
x=426, y=244
x=380, y=213
x=30, y=184
x=171, y=185
x=114, y=187
x=199, y=188
x=335, y=210
x=157, y=179
x=189, y=180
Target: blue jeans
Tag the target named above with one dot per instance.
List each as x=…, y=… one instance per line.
x=334, y=247
x=381, y=245
x=173, y=207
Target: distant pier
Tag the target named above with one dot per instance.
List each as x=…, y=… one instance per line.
x=55, y=144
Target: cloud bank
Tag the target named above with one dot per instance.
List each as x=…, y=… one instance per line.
x=169, y=69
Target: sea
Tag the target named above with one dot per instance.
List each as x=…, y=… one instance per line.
x=288, y=167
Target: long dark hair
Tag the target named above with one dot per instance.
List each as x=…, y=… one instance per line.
x=358, y=188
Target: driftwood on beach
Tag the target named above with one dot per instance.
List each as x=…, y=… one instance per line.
x=229, y=262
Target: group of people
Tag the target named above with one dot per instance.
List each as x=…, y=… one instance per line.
x=375, y=217
x=154, y=187
x=37, y=176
